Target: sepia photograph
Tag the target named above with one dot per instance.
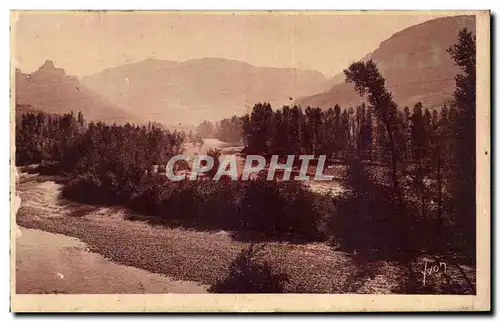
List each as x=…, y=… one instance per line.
x=173, y=154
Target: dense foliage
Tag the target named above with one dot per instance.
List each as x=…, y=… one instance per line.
x=106, y=162
x=432, y=201
x=410, y=182
x=227, y=130
x=112, y=164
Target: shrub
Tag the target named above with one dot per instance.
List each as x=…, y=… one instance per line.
x=215, y=154
x=203, y=203
x=271, y=209
x=366, y=217
x=88, y=188
x=371, y=219
x=250, y=273
x=282, y=209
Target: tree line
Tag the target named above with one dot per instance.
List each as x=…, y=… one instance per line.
x=430, y=161
x=108, y=157
x=425, y=156
x=227, y=130
x=411, y=173
x=99, y=163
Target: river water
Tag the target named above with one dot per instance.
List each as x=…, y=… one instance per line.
x=54, y=263
x=333, y=187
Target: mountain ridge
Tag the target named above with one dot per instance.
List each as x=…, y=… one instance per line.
x=201, y=88
x=414, y=63
x=51, y=90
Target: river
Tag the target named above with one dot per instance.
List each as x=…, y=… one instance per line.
x=55, y=263
x=68, y=247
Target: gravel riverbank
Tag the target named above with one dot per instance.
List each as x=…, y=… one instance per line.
x=202, y=257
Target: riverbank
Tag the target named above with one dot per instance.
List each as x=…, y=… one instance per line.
x=201, y=256
x=56, y=264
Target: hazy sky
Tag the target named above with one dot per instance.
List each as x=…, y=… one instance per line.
x=85, y=43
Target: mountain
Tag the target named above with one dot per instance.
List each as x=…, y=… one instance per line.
x=199, y=89
x=49, y=89
x=414, y=63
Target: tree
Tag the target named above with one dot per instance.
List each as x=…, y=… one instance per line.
x=229, y=130
x=344, y=132
x=464, y=130
x=307, y=134
x=215, y=155
x=312, y=136
x=368, y=133
x=296, y=129
x=206, y=129
x=441, y=136
x=261, y=124
x=246, y=129
x=328, y=133
x=280, y=140
x=406, y=132
x=81, y=120
x=418, y=149
x=337, y=130
x=367, y=80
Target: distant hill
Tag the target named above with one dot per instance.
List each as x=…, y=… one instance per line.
x=49, y=89
x=199, y=89
x=414, y=62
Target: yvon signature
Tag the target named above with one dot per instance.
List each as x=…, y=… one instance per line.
x=431, y=270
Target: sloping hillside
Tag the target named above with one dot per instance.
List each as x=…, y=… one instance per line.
x=49, y=89
x=198, y=89
x=415, y=64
